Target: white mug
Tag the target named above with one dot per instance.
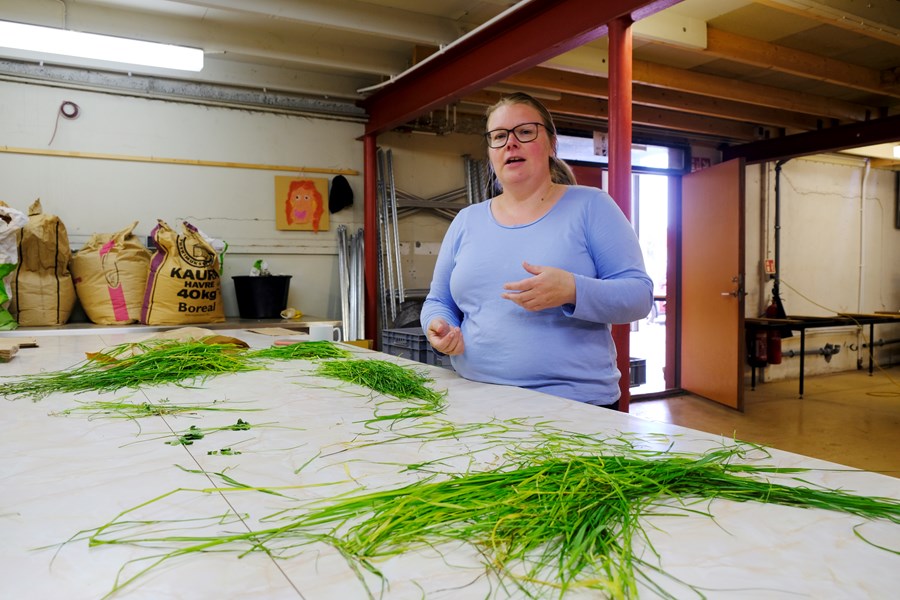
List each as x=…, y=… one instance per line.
x=321, y=332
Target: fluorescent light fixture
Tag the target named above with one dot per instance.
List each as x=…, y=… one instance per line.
x=63, y=42
x=897, y=151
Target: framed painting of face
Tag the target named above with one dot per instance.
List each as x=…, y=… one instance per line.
x=300, y=203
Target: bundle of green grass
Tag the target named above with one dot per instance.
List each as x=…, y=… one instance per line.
x=161, y=361
x=564, y=514
x=560, y=521
x=390, y=379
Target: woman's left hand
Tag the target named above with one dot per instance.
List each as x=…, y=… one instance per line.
x=548, y=288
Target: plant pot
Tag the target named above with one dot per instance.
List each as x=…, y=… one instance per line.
x=261, y=297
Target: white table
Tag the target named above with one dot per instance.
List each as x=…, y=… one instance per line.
x=60, y=475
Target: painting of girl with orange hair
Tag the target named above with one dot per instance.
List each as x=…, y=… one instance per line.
x=300, y=203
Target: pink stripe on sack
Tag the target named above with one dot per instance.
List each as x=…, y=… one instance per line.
x=116, y=295
x=119, y=306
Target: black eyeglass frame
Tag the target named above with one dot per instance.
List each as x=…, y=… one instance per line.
x=488, y=134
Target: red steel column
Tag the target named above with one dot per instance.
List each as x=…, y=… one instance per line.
x=370, y=174
x=620, y=47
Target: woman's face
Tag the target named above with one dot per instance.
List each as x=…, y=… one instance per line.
x=518, y=162
x=302, y=206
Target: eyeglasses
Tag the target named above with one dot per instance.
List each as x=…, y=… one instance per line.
x=526, y=132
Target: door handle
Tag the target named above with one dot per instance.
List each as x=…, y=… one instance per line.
x=740, y=288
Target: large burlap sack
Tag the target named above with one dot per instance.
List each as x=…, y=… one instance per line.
x=110, y=273
x=11, y=221
x=184, y=284
x=43, y=293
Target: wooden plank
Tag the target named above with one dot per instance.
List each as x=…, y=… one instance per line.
x=7, y=351
x=9, y=347
x=175, y=161
x=819, y=11
x=750, y=51
x=742, y=91
x=594, y=108
x=656, y=97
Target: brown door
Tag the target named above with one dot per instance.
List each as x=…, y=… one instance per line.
x=712, y=284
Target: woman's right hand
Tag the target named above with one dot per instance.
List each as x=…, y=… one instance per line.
x=445, y=339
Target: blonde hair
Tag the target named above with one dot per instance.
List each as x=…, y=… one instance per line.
x=559, y=170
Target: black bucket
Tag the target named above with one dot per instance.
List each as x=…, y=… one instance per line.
x=261, y=297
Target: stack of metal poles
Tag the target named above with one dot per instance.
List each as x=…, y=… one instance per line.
x=477, y=188
x=390, y=269
x=351, y=262
x=479, y=179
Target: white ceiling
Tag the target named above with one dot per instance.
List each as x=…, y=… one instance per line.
x=722, y=71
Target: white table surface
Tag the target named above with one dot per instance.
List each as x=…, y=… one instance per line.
x=60, y=475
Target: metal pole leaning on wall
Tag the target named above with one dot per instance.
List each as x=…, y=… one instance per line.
x=351, y=258
x=401, y=294
x=351, y=270
x=389, y=239
x=343, y=279
x=370, y=225
x=476, y=173
x=360, y=278
x=384, y=242
x=467, y=166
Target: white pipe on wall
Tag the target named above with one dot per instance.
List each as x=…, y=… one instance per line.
x=862, y=227
x=862, y=255
x=762, y=300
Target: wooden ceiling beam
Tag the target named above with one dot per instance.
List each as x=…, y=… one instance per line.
x=358, y=17
x=886, y=163
x=741, y=91
x=831, y=15
x=722, y=108
x=681, y=80
x=598, y=87
x=689, y=123
x=739, y=48
x=598, y=109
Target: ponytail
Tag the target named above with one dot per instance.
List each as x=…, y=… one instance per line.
x=560, y=172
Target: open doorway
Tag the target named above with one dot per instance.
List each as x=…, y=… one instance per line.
x=656, y=172
x=650, y=216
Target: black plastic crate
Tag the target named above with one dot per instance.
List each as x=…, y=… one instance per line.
x=411, y=343
x=638, y=372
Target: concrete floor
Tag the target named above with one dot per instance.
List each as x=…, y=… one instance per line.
x=848, y=418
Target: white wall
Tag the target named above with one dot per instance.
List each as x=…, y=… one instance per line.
x=233, y=204
x=829, y=263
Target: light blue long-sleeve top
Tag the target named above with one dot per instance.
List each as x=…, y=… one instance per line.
x=566, y=351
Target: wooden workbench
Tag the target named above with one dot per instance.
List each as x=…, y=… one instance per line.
x=802, y=323
x=61, y=475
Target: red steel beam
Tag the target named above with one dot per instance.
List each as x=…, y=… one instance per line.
x=537, y=32
x=620, y=94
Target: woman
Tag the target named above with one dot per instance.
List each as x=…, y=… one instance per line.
x=527, y=284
